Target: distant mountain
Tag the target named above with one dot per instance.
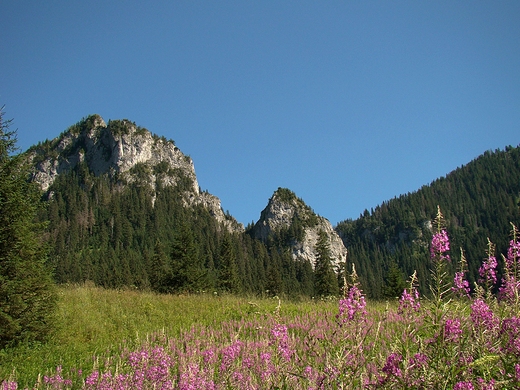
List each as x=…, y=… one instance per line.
x=125, y=153
x=124, y=208
x=288, y=221
x=478, y=200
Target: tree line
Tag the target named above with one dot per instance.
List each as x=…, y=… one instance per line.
x=479, y=201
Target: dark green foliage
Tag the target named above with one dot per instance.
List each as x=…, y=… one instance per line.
x=394, y=282
x=187, y=267
x=227, y=267
x=27, y=299
x=478, y=200
x=325, y=280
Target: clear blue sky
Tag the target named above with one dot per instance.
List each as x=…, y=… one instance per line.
x=347, y=103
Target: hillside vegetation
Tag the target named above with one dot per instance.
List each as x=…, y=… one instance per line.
x=479, y=200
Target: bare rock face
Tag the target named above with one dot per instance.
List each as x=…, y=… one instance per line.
x=288, y=219
x=123, y=149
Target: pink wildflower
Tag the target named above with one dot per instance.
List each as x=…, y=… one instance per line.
x=487, y=271
x=281, y=338
x=482, y=315
x=409, y=301
x=391, y=367
x=460, y=285
x=440, y=245
x=463, y=386
x=353, y=306
x=452, y=330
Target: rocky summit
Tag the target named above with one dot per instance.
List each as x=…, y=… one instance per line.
x=127, y=153
x=288, y=220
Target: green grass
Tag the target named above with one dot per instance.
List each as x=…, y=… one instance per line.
x=94, y=321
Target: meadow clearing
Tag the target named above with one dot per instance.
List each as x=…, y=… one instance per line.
x=135, y=340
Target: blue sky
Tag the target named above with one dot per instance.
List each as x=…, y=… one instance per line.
x=347, y=103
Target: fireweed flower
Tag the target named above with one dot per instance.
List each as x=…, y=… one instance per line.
x=391, y=367
x=463, y=386
x=510, y=334
x=482, y=315
x=452, y=330
x=9, y=385
x=440, y=244
x=460, y=285
x=487, y=271
x=280, y=337
x=353, y=306
x=229, y=354
x=409, y=301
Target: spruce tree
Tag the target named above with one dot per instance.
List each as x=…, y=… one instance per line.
x=27, y=298
x=229, y=280
x=189, y=274
x=325, y=280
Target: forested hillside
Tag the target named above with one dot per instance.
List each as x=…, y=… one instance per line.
x=118, y=219
x=124, y=208
x=479, y=200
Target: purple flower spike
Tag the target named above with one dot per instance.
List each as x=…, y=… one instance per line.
x=440, y=245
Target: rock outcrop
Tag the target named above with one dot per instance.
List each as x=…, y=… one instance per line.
x=125, y=151
x=289, y=220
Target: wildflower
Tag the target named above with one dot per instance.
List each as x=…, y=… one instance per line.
x=9, y=385
x=517, y=372
x=229, y=354
x=409, y=300
x=353, y=306
x=418, y=360
x=510, y=289
x=463, y=386
x=391, y=367
x=481, y=314
x=487, y=271
x=92, y=379
x=460, y=285
x=483, y=385
x=452, y=330
x=440, y=245
x=510, y=333
x=281, y=337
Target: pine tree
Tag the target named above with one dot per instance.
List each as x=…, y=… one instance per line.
x=187, y=266
x=325, y=280
x=395, y=284
x=228, y=269
x=27, y=298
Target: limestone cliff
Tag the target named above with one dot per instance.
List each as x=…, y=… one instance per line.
x=127, y=153
x=289, y=220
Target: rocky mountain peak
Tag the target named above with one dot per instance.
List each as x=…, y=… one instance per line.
x=124, y=150
x=288, y=219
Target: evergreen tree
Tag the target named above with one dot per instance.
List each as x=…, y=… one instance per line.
x=159, y=270
x=228, y=269
x=395, y=284
x=27, y=299
x=188, y=272
x=325, y=280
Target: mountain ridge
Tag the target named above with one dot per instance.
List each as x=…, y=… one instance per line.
x=95, y=172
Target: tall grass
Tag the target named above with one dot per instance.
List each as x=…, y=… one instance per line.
x=456, y=339
x=93, y=322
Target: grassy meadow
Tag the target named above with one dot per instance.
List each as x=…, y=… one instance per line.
x=94, y=323
x=457, y=338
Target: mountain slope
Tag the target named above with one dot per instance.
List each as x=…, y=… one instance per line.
x=479, y=200
x=124, y=209
x=125, y=153
x=290, y=222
